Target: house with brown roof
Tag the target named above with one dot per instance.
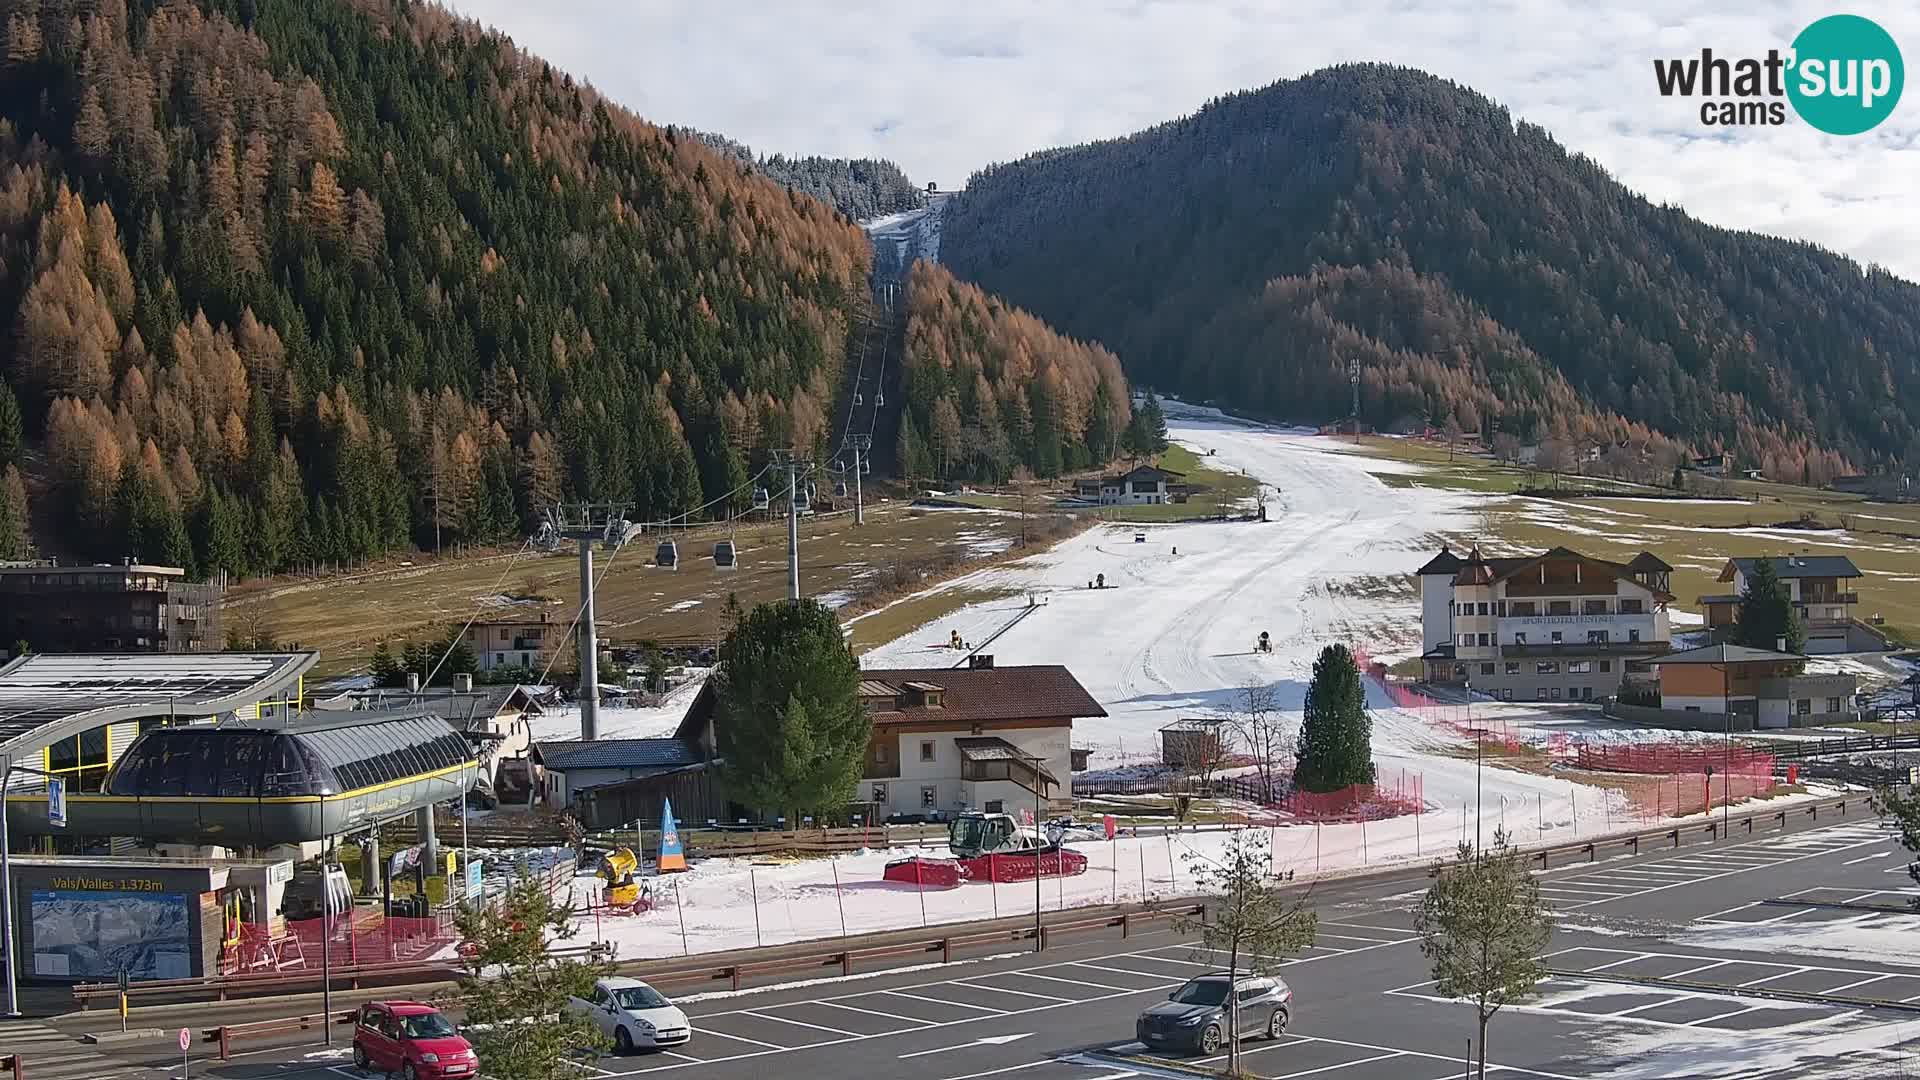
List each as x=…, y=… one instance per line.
x=987, y=738
x=949, y=740
x=1142, y=485
x=1556, y=626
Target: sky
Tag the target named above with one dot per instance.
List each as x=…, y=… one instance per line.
x=946, y=88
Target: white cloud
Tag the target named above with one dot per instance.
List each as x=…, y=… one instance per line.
x=945, y=88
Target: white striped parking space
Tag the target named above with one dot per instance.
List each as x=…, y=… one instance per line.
x=1584, y=885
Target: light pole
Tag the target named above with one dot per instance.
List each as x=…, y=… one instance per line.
x=6, y=886
x=1037, y=834
x=1478, y=742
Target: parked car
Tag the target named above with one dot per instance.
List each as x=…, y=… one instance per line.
x=413, y=1039
x=634, y=1015
x=1194, y=1017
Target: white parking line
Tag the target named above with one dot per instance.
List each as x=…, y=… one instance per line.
x=1004, y=990
x=1723, y=1016
x=1070, y=982
x=914, y=1020
x=1342, y=1065
x=1356, y=937
x=706, y=1031
x=1124, y=971
x=800, y=1023
x=1856, y=982
x=1643, y=1008
x=1702, y=967
x=944, y=1001
x=1867, y=858
x=1770, y=978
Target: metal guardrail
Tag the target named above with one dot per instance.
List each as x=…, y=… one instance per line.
x=845, y=958
x=228, y=1034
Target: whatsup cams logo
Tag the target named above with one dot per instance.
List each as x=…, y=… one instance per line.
x=1843, y=75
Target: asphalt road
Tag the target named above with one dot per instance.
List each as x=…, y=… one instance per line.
x=1364, y=1008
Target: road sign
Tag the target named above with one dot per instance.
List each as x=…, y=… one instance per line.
x=186, y=1039
x=56, y=802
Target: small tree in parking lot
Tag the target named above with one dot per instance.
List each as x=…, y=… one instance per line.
x=1484, y=927
x=1902, y=811
x=1247, y=916
x=515, y=992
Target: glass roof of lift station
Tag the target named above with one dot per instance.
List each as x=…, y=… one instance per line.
x=308, y=755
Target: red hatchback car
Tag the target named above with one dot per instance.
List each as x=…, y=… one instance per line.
x=412, y=1039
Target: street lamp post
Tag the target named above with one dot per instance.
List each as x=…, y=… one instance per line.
x=1037, y=834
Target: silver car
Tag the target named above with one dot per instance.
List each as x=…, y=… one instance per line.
x=1194, y=1017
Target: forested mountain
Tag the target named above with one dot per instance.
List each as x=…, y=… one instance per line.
x=303, y=281
x=860, y=188
x=1475, y=269
x=991, y=388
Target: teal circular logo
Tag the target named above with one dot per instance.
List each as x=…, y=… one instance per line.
x=1846, y=75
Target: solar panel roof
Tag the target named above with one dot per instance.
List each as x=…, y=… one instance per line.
x=47, y=696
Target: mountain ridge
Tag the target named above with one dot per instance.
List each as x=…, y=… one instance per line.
x=1796, y=359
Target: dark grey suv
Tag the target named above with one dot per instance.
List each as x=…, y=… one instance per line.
x=1194, y=1017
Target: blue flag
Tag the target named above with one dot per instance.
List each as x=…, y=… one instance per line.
x=672, y=855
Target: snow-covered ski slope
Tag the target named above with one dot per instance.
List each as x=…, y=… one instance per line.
x=1173, y=633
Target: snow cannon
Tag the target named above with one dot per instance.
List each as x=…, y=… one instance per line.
x=626, y=894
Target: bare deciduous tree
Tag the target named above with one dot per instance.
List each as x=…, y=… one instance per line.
x=1256, y=717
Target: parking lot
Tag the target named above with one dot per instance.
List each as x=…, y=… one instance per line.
x=1647, y=949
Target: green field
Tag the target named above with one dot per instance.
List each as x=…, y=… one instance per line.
x=1696, y=537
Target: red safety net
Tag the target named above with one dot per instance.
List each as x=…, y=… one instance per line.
x=1458, y=717
x=370, y=940
x=1674, y=757
x=1402, y=793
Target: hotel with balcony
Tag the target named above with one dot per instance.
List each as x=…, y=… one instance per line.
x=1558, y=626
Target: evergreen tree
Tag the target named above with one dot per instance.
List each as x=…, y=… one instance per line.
x=1336, y=748
x=1766, y=613
x=514, y=971
x=1153, y=427
x=788, y=717
x=11, y=433
x=386, y=670
x=13, y=515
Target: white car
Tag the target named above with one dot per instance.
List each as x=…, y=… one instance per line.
x=634, y=1015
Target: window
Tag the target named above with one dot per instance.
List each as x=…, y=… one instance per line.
x=929, y=796
x=1632, y=607
x=1483, y=609
x=1520, y=637
x=1833, y=704
x=995, y=806
x=1459, y=671
x=1483, y=640
x=1500, y=608
x=1693, y=708
x=1596, y=637
x=1579, y=667
x=1513, y=667
x=503, y=634
x=1487, y=669
x=1539, y=693
x=1466, y=639
x=1586, y=693
x=1606, y=666
x=1803, y=707
x=879, y=753
x=1594, y=607
x=1546, y=667
x=1507, y=694
x=1557, y=637
x=1524, y=607
x=926, y=750
x=879, y=793
x=1555, y=691
x=1559, y=607
x=1633, y=635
